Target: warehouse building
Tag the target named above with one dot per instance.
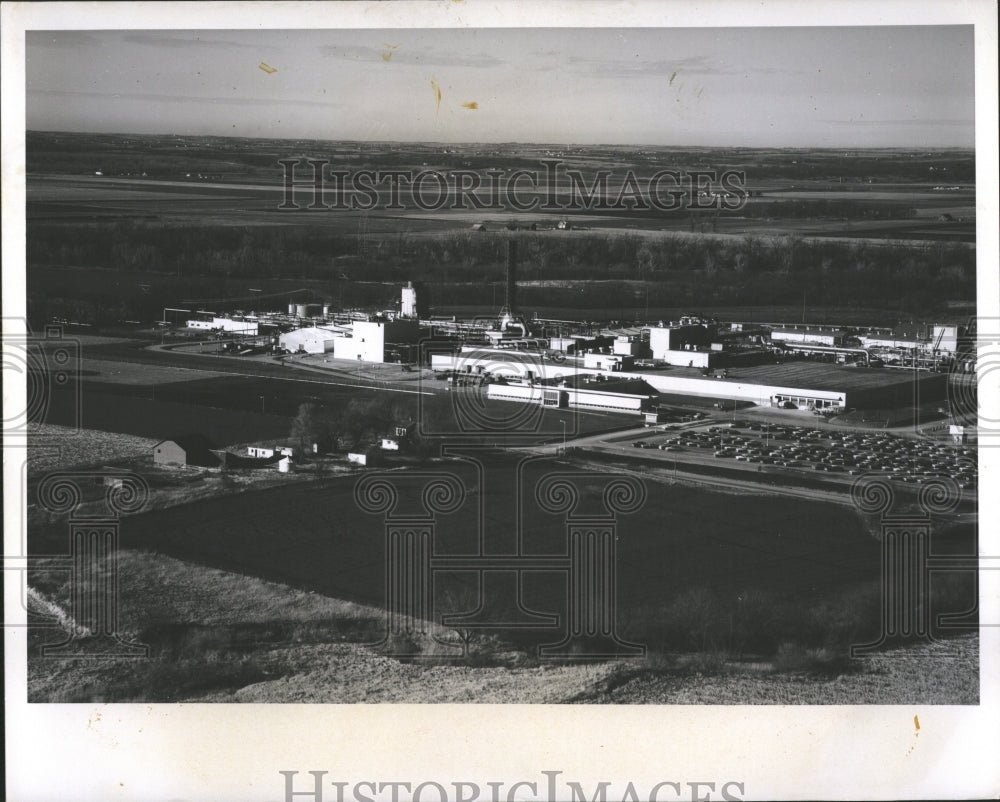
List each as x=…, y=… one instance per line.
x=814, y=335
x=310, y=340
x=802, y=384
x=686, y=345
x=633, y=396
x=807, y=385
x=376, y=340
x=235, y=325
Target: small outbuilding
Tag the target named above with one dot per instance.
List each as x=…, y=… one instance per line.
x=191, y=449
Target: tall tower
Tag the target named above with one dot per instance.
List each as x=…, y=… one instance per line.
x=408, y=302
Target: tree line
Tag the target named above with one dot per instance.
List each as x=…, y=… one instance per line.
x=468, y=268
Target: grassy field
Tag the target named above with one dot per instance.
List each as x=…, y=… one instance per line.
x=697, y=569
x=68, y=448
x=217, y=636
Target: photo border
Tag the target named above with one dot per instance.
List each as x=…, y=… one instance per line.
x=221, y=752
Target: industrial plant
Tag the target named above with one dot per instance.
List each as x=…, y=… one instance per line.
x=628, y=367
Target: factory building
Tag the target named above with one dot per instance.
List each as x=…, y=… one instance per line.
x=616, y=399
x=798, y=384
x=814, y=335
x=614, y=362
x=373, y=340
x=627, y=346
x=235, y=325
x=686, y=345
x=943, y=338
x=572, y=344
x=310, y=340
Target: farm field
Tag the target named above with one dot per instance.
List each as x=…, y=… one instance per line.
x=71, y=198
x=314, y=537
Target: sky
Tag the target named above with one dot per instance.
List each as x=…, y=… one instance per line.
x=754, y=87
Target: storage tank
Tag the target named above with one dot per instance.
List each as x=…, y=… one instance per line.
x=291, y=309
x=302, y=310
x=327, y=307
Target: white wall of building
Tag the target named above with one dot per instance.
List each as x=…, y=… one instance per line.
x=659, y=341
x=761, y=394
x=626, y=346
x=248, y=327
x=685, y=359
x=578, y=397
x=949, y=338
x=235, y=325
x=817, y=337
x=889, y=342
x=310, y=339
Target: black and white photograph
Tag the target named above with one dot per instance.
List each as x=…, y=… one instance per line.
x=614, y=370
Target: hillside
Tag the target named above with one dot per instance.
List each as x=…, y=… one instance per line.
x=222, y=637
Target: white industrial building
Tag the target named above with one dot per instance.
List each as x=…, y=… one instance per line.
x=597, y=361
x=687, y=345
x=370, y=338
x=361, y=340
x=943, y=338
x=627, y=346
x=816, y=335
x=310, y=339
x=802, y=384
x=247, y=326
x=578, y=397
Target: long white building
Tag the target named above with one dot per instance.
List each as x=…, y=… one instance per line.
x=802, y=384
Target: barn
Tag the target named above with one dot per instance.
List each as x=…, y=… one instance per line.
x=191, y=449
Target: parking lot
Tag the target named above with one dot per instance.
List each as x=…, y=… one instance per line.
x=830, y=452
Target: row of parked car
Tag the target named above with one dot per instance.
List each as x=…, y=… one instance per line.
x=903, y=459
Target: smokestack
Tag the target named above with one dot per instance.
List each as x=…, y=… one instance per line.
x=510, y=296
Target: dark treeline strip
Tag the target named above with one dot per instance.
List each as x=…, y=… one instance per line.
x=143, y=268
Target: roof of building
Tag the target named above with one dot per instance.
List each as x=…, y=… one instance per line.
x=806, y=374
x=826, y=331
x=190, y=442
x=626, y=386
x=197, y=448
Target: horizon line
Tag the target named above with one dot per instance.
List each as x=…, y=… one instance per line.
x=970, y=148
